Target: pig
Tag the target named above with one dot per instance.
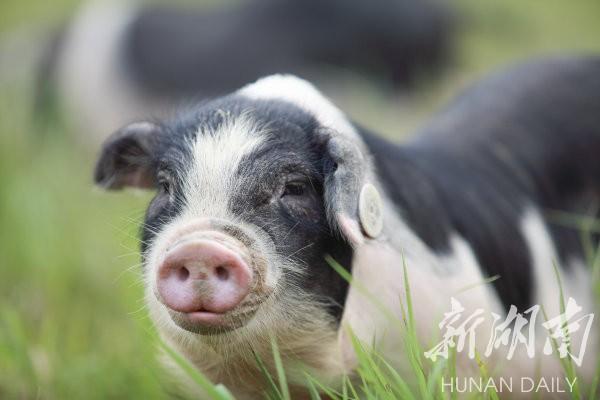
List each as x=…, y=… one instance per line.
x=257, y=191
x=114, y=61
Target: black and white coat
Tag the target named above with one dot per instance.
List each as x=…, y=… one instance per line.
x=464, y=200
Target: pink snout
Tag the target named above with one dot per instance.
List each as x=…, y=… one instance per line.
x=203, y=277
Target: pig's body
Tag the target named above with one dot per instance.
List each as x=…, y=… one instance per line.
x=256, y=188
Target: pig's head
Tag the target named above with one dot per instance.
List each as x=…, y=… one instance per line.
x=253, y=190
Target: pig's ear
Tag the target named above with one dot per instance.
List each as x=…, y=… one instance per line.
x=127, y=157
x=353, y=205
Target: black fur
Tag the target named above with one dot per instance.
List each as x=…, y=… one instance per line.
x=526, y=136
x=174, y=51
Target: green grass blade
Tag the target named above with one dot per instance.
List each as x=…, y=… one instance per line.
x=214, y=392
x=283, y=386
x=312, y=389
x=412, y=344
x=271, y=385
x=486, y=376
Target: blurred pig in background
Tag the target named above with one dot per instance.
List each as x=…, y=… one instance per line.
x=115, y=62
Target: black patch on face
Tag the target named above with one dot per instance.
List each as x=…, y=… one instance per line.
x=281, y=189
x=284, y=180
x=172, y=158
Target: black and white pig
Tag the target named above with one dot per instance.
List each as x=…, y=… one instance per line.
x=255, y=189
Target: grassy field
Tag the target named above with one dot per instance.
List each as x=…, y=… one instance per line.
x=72, y=323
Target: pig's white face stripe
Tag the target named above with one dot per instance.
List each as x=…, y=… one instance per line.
x=211, y=178
x=216, y=156
x=302, y=94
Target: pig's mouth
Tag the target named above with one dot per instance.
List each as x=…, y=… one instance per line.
x=206, y=323
x=211, y=282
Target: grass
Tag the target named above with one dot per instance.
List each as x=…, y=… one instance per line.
x=72, y=323
x=376, y=379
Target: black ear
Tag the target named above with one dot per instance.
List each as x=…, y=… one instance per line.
x=345, y=181
x=128, y=157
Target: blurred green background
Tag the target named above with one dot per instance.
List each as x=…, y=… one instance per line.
x=72, y=321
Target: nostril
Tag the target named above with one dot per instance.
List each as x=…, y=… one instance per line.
x=183, y=273
x=222, y=273
x=203, y=276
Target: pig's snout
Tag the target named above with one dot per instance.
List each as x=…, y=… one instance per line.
x=202, y=277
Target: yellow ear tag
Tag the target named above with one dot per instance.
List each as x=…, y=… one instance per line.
x=370, y=210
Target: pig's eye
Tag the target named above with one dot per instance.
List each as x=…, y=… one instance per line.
x=294, y=189
x=165, y=186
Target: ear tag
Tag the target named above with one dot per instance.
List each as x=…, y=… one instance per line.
x=370, y=210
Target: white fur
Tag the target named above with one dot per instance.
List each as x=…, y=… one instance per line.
x=212, y=179
x=433, y=280
x=543, y=258
x=575, y=281
x=90, y=77
x=302, y=94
